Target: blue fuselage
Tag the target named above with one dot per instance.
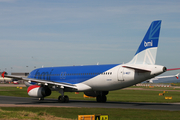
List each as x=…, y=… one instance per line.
x=70, y=74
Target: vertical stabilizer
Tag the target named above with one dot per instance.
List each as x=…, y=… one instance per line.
x=146, y=53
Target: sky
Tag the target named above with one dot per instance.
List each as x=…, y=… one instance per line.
x=80, y=32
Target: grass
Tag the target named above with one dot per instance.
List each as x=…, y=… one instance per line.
x=72, y=113
x=143, y=96
x=16, y=114
x=160, y=88
x=13, y=91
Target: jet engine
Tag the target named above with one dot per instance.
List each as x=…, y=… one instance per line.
x=38, y=91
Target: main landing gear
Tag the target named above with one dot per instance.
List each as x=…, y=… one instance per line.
x=100, y=95
x=63, y=98
x=101, y=98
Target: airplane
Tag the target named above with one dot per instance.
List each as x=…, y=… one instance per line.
x=98, y=80
x=5, y=79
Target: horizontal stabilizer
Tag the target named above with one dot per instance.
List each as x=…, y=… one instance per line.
x=140, y=68
x=177, y=76
x=173, y=69
x=170, y=76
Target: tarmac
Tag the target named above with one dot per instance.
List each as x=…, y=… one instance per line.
x=9, y=101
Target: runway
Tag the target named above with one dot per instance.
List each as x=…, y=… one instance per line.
x=9, y=101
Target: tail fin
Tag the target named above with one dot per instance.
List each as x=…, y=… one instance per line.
x=146, y=53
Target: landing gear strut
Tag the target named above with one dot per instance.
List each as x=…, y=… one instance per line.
x=63, y=98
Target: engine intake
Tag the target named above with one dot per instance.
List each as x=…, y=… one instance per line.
x=38, y=91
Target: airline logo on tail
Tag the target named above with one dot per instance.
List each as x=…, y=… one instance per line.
x=151, y=38
x=146, y=53
x=148, y=44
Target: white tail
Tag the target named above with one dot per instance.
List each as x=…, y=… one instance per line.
x=146, y=53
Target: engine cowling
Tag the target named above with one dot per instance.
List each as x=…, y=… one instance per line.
x=96, y=93
x=38, y=91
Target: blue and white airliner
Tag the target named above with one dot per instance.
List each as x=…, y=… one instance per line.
x=97, y=80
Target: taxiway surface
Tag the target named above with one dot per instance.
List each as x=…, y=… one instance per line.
x=9, y=101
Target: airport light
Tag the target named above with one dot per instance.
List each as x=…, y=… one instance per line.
x=27, y=68
x=11, y=69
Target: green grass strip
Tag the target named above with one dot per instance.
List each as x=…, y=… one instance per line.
x=114, y=113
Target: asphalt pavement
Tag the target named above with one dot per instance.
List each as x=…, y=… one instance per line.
x=9, y=101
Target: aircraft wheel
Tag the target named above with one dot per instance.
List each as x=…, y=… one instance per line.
x=100, y=98
x=104, y=98
x=41, y=99
x=61, y=99
x=66, y=99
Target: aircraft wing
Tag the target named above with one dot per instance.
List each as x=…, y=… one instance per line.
x=45, y=82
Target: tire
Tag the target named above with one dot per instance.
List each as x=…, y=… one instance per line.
x=101, y=99
x=98, y=98
x=60, y=99
x=104, y=99
x=40, y=99
x=66, y=99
